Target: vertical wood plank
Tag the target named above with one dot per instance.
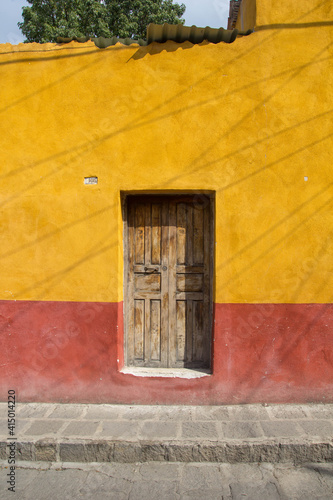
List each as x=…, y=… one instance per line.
x=189, y=235
x=181, y=330
x=198, y=348
x=181, y=233
x=139, y=234
x=156, y=231
x=172, y=277
x=147, y=247
x=189, y=331
x=139, y=329
x=147, y=322
x=155, y=330
x=166, y=234
x=198, y=235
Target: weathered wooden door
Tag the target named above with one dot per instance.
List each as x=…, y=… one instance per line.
x=168, y=289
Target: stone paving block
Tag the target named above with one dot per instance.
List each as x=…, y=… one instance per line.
x=266, y=452
x=71, y=452
x=64, y=485
x=159, y=430
x=40, y=427
x=200, y=476
x=19, y=426
x=321, y=411
x=241, y=430
x=241, y=453
x=161, y=490
x=24, y=451
x=4, y=427
x=193, y=430
x=263, y=490
x=68, y=411
x=141, y=412
x=100, y=451
x=80, y=428
x=287, y=412
x=319, y=452
x=157, y=471
x=206, y=413
x=106, y=486
x=325, y=472
x=103, y=412
x=300, y=484
x=114, y=469
x=248, y=412
x=120, y=430
x=208, y=453
x=3, y=410
x=181, y=452
x=86, y=452
x=3, y=453
x=127, y=453
x=33, y=410
x=175, y=413
x=207, y=494
x=24, y=478
x=45, y=451
x=322, y=428
x=284, y=428
x=238, y=472
x=151, y=452
x=304, y=453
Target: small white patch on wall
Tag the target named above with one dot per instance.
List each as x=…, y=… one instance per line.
x=91, y=180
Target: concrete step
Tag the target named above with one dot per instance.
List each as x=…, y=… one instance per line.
x=123, y=433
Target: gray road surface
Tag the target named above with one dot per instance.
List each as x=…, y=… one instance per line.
x=168, y=481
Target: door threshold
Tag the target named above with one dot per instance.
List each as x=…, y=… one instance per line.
x=139, y=371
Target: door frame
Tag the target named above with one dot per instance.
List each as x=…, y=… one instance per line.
x=200, y=194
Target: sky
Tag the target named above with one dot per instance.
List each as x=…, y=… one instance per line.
x=213, y=13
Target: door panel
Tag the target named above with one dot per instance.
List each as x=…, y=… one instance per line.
x=189, y=282
x=139, y=328
x=147, y=282
x=168, y=291
x=155, y=327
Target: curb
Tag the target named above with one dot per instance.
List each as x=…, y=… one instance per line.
x=49, y=450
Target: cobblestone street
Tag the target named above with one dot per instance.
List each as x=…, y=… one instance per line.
x=169, y=481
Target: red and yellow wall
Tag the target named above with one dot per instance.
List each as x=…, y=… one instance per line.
x=251, y=121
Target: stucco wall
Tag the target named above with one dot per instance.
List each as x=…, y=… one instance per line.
x=306, y=11
x=251, y=121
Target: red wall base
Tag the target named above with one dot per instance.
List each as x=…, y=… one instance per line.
x=72, y=352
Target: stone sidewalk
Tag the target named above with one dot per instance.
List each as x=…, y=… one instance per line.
x=122, y=433
x=168, y=481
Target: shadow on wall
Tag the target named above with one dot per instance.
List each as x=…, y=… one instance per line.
x=156, y=48
x=293, y=26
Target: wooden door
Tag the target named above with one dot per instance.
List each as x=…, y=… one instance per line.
x=168, y=289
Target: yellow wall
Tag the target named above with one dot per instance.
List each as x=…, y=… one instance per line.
x=249, y=120
x=259, y=13
x=306, y=11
